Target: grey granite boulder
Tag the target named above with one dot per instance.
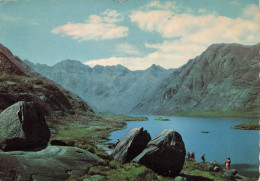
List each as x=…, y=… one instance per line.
x=131, y=145
x=230, y=174
x=53, y=163
x=23, y=126
x=165, y=154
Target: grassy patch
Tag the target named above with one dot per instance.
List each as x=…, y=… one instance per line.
x=161, y=119
x=252, y=125
x=121, y=117
x=192, y=167
x=85, y=131
x=253, y=113
x=195, y=168
x=114, y=170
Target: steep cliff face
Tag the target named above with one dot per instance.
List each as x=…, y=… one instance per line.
x=224, y=77
x=18, y=82
x=113, y=89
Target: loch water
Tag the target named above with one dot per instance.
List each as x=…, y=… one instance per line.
x=222, y=141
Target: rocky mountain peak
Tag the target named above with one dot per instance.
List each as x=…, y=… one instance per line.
x=156, y=67
x=72, y=65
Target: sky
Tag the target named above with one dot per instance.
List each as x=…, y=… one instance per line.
x=133, y=33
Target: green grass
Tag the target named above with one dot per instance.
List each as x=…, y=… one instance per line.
x=192, y=167
x=121, y=117
x=195, y=168
x=85, y=132
x=253, y=113
x=252, y=125
x=161, y=119
x=114, y=170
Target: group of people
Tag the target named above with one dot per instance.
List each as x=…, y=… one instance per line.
x=191, y=155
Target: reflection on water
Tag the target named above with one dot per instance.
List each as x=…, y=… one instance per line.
x=221, y=142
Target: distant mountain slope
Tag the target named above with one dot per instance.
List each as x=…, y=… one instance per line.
x=19, y=82
x=106, y=88
x=224, y=77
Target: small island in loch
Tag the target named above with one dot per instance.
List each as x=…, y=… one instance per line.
x=161, y=119
x=252, y=125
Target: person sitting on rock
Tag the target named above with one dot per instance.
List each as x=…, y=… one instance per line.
x=117, y=141
x=203, y=158
x=227, y=163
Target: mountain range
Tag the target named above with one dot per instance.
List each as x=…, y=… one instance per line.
x=225, y=77
x=109, y=89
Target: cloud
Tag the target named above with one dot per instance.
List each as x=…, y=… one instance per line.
x=166, y=60
x=152, y=20
x=127, y=49
x=204, y=28
x=129, y=62
x=186, y=35
x=167, y=5
x=96, y=27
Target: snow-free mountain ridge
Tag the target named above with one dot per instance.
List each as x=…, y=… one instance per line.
x=110, y=89
x=225, y=77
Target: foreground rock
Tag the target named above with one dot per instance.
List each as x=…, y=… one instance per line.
x=131, y=145
x=23, y=126
x=232, y=174
x=165, y=154
x=53, y=163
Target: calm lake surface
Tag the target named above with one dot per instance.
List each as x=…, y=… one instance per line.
x=242, y=146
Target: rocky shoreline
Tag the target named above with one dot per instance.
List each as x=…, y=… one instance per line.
x=33, y=159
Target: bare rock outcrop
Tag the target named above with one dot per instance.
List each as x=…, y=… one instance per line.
x=23, y=126
x=54, y=163
x=131, y=145
x=165, y=154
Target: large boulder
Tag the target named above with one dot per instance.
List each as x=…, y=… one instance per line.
x=23, y=126
x=51, y=164
x=165, y=154
x=131, y=145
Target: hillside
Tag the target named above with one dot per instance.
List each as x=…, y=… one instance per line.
x=224, y=78
x=19, y=82
x=107, y=89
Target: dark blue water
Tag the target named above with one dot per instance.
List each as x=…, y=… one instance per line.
x=242, y=146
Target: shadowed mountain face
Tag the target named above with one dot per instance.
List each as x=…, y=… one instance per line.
x=109, y=89
x=224, y=77
x=18, y=82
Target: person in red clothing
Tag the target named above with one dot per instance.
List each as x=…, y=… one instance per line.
x=227, y=163
x=188, y=155
x=192, y=155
